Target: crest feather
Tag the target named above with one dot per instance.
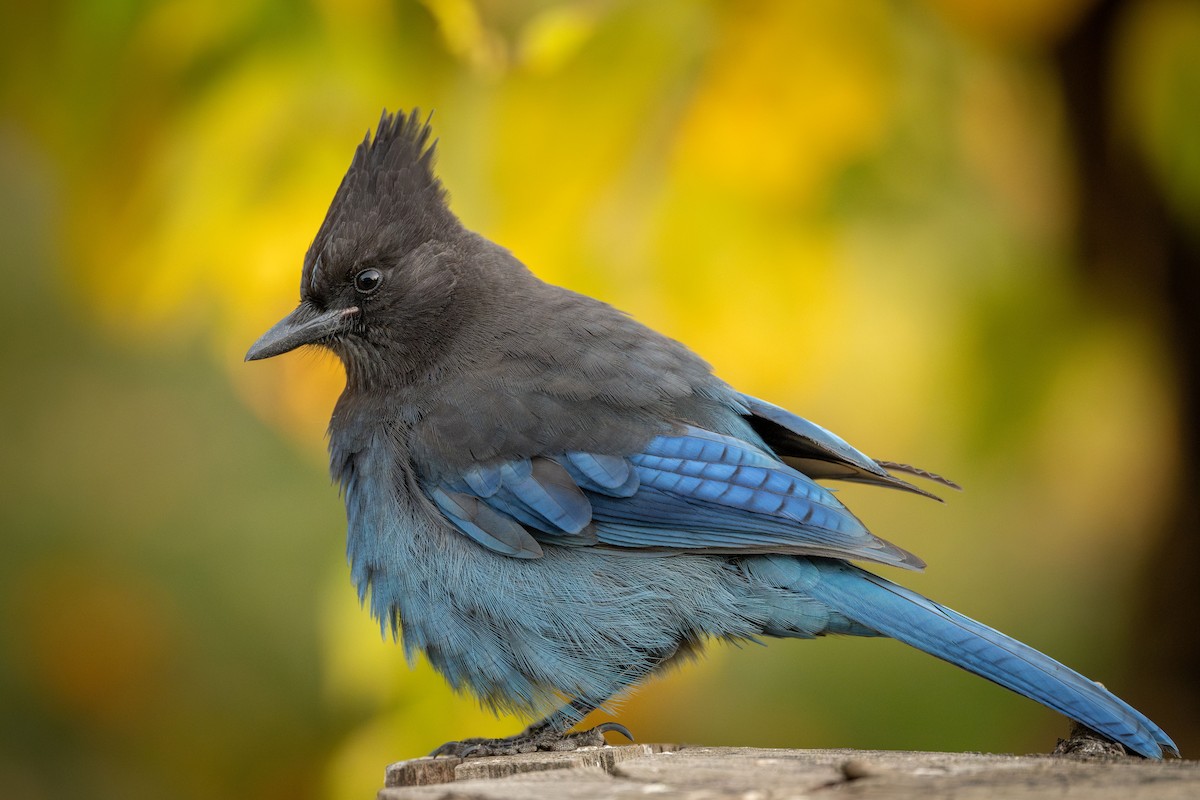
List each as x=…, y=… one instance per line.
x=389, y=202
x=402, y=144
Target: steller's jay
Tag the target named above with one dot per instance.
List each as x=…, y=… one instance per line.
x=552, y=501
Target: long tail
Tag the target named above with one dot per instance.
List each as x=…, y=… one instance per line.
x=907, y=616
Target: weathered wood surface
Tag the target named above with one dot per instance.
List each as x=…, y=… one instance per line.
x=746, y=773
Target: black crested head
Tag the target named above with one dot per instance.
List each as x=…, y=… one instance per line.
x=382, y=279
x=389, y=203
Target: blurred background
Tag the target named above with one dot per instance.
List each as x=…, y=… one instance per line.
x=961, y=234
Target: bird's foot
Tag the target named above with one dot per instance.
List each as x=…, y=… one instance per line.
x=531, y=741
x=1086, y=743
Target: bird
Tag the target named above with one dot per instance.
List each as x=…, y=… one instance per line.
x=552, y=502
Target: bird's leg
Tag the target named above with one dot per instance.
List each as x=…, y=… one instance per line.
x=547, y=734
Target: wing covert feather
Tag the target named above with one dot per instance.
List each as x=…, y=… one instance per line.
x=697, y=491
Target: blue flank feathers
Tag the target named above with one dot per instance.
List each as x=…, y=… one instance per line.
x=703, y=493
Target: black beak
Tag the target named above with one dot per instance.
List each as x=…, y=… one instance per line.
x=305, y=325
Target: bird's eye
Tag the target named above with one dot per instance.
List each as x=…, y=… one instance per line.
x=368, y=280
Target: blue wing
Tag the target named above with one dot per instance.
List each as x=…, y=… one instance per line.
x=697, y=491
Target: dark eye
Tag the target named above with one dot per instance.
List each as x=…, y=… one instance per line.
x=368, y=280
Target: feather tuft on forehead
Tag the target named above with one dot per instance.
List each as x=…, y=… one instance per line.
x=401, y=147
x=390, y=200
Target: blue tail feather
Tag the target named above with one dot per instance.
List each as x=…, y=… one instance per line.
x=908, y=617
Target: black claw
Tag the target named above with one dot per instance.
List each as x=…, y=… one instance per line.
x=605, y=727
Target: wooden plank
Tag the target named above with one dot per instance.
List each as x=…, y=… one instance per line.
x=692, y=773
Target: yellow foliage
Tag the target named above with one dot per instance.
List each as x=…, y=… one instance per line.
x=792, y=94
